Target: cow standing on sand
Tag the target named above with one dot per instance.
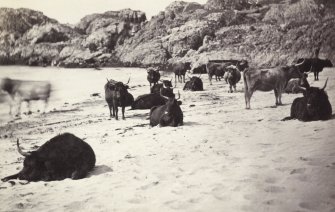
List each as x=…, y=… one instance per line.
x=169, y=114
x=64, y=156
x=153, y=76
x=214, y=69
x=23, y=90
x=179, y=70
x=232, y=77
x=315, y=65
x=268, y=79
x=117, y=95
x=313, y=106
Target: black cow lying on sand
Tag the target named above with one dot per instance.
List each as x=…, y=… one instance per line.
x=64, y=156
x=148, y=101
x=315, y=65
x=116, y=95
x=194, y=84
x=312, y=107
x=169, y=114
x=23, y=90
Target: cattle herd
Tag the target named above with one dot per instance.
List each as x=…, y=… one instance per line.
x=67, y=156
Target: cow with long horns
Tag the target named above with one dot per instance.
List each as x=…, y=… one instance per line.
x=315, y=65
x=313, y=106
x=64, y=156
x=169, y=114
x=268, y=79
x=117, y=95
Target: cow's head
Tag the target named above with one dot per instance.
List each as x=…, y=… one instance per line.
x=303, y=82
x=187, y=66
x=171, y=103
x=119, y=88
x=34, y=167
x=315, y=97
x=293, y=71
x=243, y=64
x=167, y=83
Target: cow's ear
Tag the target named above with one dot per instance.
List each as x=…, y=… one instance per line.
x=179, y=102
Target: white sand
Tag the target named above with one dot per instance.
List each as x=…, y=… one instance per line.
x=224, y=158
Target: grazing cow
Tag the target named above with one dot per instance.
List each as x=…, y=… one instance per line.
x=117, y=95
x=179, y=70
x=153, y=76
x=232, y=76
x=194, y=84
x=294, y=85
x=169, y=114
x=315, y=65
x=27, y=91
x=165, y=85
x=268, y=79
x=312, y=107
x=64, y=156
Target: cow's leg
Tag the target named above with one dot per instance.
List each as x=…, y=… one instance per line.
x=276, y=96
x=110, y=110
x=317, y=75
x=175, y=80
x=279, y=97
x=123, y=113
x=184, y=77
x=210, y=79
x=29, y=110
x=230, y=89
x=116, y=112
x=315, y=78
x=247, y=96
x=14, y=176
x=235, y=88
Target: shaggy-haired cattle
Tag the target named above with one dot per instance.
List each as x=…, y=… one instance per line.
x=268, y=79
x=27, y=91
x=313, y=106
x=232, y=77
x=153, y=76
x=169, y=114
x=315, y=65
x=64, y=156
x=117, y=95
x=179, y=70
x=194, y=84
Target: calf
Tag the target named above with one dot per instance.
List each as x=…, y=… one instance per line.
x=169, y=114
x=312, y=107
x=64, y=156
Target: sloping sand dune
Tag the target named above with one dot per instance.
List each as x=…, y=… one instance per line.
x=224, y=158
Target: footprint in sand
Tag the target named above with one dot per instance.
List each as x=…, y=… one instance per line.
x=309, y=205
x=274, y=189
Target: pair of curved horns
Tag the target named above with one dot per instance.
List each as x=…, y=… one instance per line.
x=20, y=150
x=298, y=64
x=321, y=88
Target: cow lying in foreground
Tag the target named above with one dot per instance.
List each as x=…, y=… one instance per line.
x=268, y=79
x=64, y=156
x=116, y=95
x=312, y=107
x=23, y=90
x=169, y=114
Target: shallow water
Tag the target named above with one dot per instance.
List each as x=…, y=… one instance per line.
x=69, y=85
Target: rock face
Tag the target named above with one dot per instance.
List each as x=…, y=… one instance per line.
x=265, y=32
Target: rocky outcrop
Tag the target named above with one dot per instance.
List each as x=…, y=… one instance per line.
x=265, y=32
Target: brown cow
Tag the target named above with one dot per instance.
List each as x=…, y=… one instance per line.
x=268, y=79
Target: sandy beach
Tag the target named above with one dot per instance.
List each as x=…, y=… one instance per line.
x=224, y=157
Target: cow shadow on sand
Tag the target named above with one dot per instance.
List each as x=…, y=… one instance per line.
x=101, y=169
